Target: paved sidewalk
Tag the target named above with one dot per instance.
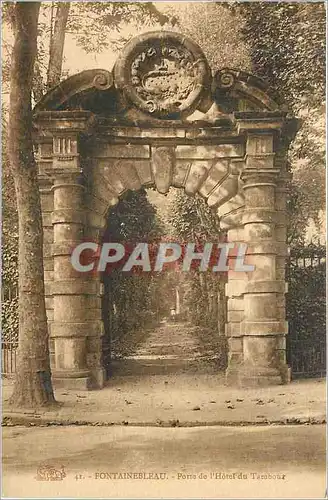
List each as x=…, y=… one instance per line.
x=179, y=400
x=267, y=461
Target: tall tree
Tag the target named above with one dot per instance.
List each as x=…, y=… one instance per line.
x=57, y=41
x=77, y=19
x=33, y=378
x=287, y=43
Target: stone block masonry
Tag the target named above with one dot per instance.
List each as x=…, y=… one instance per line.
x=165, y=129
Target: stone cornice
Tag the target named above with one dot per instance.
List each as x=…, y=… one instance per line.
x=63, y=121
x=51, y=123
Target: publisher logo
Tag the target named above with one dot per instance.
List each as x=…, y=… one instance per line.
x=50, y=473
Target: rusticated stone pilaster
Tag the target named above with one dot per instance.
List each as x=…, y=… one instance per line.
x=95, y=225
x=263, y=329
x=72, y=291
x=69, y=329
x=235, y=288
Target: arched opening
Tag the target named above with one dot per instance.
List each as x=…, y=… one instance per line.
x=164, y=119
x=172, y=320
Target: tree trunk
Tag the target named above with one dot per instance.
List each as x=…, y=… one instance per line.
x=33, y=378
x=38, y=87
x=57, y=45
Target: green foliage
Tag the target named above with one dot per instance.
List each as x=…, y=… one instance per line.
x=9, y=320
x=217, y=30
x=287, y=42
x=9, y=257
x=9, y=310
x=193, y=221
x=133, y=219
x=128, y=301
x=103, y=19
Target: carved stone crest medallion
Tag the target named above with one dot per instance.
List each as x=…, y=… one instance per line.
x=163, y=73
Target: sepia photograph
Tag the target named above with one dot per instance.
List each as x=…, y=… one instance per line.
x=163, y=225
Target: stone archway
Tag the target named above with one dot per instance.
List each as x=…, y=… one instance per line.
x=162, y=119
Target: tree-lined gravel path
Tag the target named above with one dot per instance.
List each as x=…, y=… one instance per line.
x=172, y=348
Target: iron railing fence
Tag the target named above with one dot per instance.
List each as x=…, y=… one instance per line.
x=9, y=330
x=306, y=311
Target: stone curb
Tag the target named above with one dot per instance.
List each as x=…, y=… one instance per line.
x=14, y=419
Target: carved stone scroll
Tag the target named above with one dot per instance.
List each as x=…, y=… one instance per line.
x=99, y=79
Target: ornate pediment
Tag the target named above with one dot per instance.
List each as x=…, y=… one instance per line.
x=161, y=76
